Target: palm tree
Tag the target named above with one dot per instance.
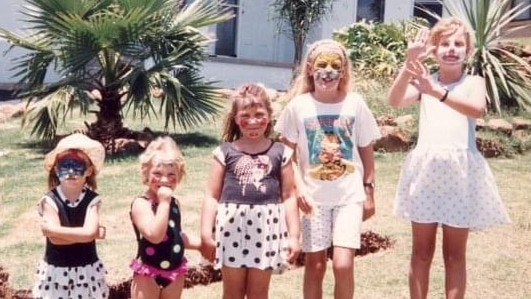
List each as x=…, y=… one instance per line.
x=121, y=55
x=508, y=76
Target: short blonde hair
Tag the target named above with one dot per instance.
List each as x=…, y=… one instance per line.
x=164, y=145
x=449, y=26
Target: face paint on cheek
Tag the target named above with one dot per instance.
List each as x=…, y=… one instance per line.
x=328, y=61
x=244, y=123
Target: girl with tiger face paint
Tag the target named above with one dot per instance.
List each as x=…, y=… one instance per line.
x=250, y=220
x=332, y=132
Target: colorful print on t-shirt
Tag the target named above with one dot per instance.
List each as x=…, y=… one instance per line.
x=330, y=146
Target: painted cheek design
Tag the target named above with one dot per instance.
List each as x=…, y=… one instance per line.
x=328, y=61
x=246, y=122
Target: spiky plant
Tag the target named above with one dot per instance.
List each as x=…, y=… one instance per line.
x=116, y=54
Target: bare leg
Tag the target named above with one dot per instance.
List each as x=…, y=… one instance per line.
x=314, y=271
x=343, y=265
x=424, y=238
x=233, y=282
x=454, y=253
x=174, y=289
x=257, y=286
x=143, y=287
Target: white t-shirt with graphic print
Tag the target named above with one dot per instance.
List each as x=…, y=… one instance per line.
x=327, y=138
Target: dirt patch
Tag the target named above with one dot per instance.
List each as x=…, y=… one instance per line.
x=371, y=242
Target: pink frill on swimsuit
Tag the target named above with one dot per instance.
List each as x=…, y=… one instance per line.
x=143, y=269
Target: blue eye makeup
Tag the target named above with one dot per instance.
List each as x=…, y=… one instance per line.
x=70, y=167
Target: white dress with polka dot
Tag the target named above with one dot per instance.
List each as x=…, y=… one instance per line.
x=445, y=179
x=252, y=233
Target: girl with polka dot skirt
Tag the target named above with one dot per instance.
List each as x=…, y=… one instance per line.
x=445, y=181
x=333, y=132
x=160, y=265
x=70, y=211
x=250, y=220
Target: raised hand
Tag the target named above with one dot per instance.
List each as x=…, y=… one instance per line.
x=421, y=77
x=417, y=48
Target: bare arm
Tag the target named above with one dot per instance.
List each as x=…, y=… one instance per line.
x=292, y=210
x=61, y=235
x=190, y=242
x=303, y=203
x=402, y=92
x=153, y=225
x=472, y=105
x=367, y=159
x=209, y=208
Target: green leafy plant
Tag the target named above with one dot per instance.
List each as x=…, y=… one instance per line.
x=377, y=50
x=508, y=76
x=119, y=55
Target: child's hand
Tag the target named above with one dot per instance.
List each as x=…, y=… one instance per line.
x=208, y=249
x=294, y=249
x=46, y=227
x=369, y=208
x=417, y=49
x=422, y=79
x=304, y=204
x=164, y=194
x=102, y=232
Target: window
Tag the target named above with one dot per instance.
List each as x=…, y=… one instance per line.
x=370, y=10
x=225, y=44
x=525, y=15
x=226, y=32
x=430, y=5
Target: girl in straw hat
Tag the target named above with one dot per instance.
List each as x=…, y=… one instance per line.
x=71, y=267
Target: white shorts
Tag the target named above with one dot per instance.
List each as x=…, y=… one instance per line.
x=327, y=225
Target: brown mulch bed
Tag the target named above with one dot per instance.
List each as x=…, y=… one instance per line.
x=371, y=242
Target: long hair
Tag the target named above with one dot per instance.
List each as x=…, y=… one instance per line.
x=249, y=95
x=304, y=81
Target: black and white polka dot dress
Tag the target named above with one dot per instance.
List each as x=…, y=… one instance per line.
x=250, y=227
x=73, y=270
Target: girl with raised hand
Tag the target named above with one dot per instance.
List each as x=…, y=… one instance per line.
x=445, y=181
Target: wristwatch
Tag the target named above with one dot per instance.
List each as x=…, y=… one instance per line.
x=369, y=185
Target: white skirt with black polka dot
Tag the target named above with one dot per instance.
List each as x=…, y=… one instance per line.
x=86, y=282
x=251, y=236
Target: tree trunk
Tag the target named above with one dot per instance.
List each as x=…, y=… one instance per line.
x=109, y=123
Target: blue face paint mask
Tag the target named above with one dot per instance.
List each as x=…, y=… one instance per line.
x=68, y=168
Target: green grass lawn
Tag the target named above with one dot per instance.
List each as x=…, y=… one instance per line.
x=499, y=262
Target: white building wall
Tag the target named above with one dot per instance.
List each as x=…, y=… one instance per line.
x=258, y=37
x=9, y=19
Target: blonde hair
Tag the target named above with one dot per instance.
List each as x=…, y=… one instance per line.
x=166, y=146
x=90, y=181
x=449, y=26
x=304, y=82
x=248, y=95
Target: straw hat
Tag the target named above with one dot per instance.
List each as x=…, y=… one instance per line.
x=92, y=148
